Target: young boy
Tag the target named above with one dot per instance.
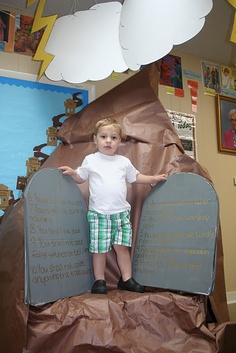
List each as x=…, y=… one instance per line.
x=109, y=212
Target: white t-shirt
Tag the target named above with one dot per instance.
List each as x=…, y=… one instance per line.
x=107, y=181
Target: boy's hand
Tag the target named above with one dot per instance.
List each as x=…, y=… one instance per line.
x=161, y=177
x=72, y=172
x=66, y=170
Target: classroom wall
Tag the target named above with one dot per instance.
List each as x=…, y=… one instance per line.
x=221, y=166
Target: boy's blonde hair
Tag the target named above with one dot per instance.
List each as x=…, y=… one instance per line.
x=106, y=122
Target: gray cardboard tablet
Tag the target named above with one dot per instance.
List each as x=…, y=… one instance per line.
x=177, y=237
x=57, y=261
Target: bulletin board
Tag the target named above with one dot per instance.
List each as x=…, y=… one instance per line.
x=30, y=112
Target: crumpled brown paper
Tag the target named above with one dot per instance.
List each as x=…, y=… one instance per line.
x=155, y=321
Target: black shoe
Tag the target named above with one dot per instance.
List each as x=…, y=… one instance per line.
x=99, y=287
x=130, y=285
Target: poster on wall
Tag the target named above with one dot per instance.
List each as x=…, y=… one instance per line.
x=228, y=81
x=31, y=114
x=171, y=71
x=26, y=42
x=211, y=78
x=6, y=30
x=185, y=127
x=15, y=33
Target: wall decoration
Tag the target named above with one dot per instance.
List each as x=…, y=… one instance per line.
x=127, y=36
x=211, y=78
x=193, y=86
x=46, y=23
x=192, y=75
x=226, y=77
x=89, y=30
x=15, y=33
x=185, y=127
x=228, y=81
x=32, y=112
x=3, y=26
x=7, y=26
x=171, y=71
x=226, y=124
x=26, y=42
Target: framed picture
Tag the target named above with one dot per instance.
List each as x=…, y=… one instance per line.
x=226, y=123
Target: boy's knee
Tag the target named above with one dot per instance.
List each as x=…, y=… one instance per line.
x=120, y=248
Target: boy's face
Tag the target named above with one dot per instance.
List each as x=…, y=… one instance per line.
x=107, y=140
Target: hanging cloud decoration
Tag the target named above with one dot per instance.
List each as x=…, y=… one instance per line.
x=150, y=28
x=86, y=45
x=89, y=45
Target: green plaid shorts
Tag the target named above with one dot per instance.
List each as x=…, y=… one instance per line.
x=106, y=230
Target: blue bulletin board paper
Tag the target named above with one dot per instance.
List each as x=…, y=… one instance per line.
x=27, y=111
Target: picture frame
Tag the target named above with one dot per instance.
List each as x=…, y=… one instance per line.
x=225, y=135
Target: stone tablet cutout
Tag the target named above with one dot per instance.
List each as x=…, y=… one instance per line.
x=177, y=237
x=57, y=259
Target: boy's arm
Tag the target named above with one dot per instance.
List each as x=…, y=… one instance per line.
x=72, y=172
x=150, y=179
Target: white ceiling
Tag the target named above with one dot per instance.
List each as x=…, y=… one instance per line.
x=212, y=43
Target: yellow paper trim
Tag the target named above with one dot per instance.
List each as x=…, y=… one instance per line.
x=209, y=91
x=114, y=76
x=170, y=90
x=233, y=34
x=232, y=2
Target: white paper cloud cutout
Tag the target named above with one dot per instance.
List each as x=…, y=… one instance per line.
x=150, y=28
x=86, y=45
x=89, y=45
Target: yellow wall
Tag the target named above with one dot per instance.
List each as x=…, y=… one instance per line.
x=221, y=167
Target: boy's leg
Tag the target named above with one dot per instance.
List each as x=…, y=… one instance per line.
x=126, y=282
x=122, y=240
x=99, y=264
x=123, y=260
x=99, y=246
